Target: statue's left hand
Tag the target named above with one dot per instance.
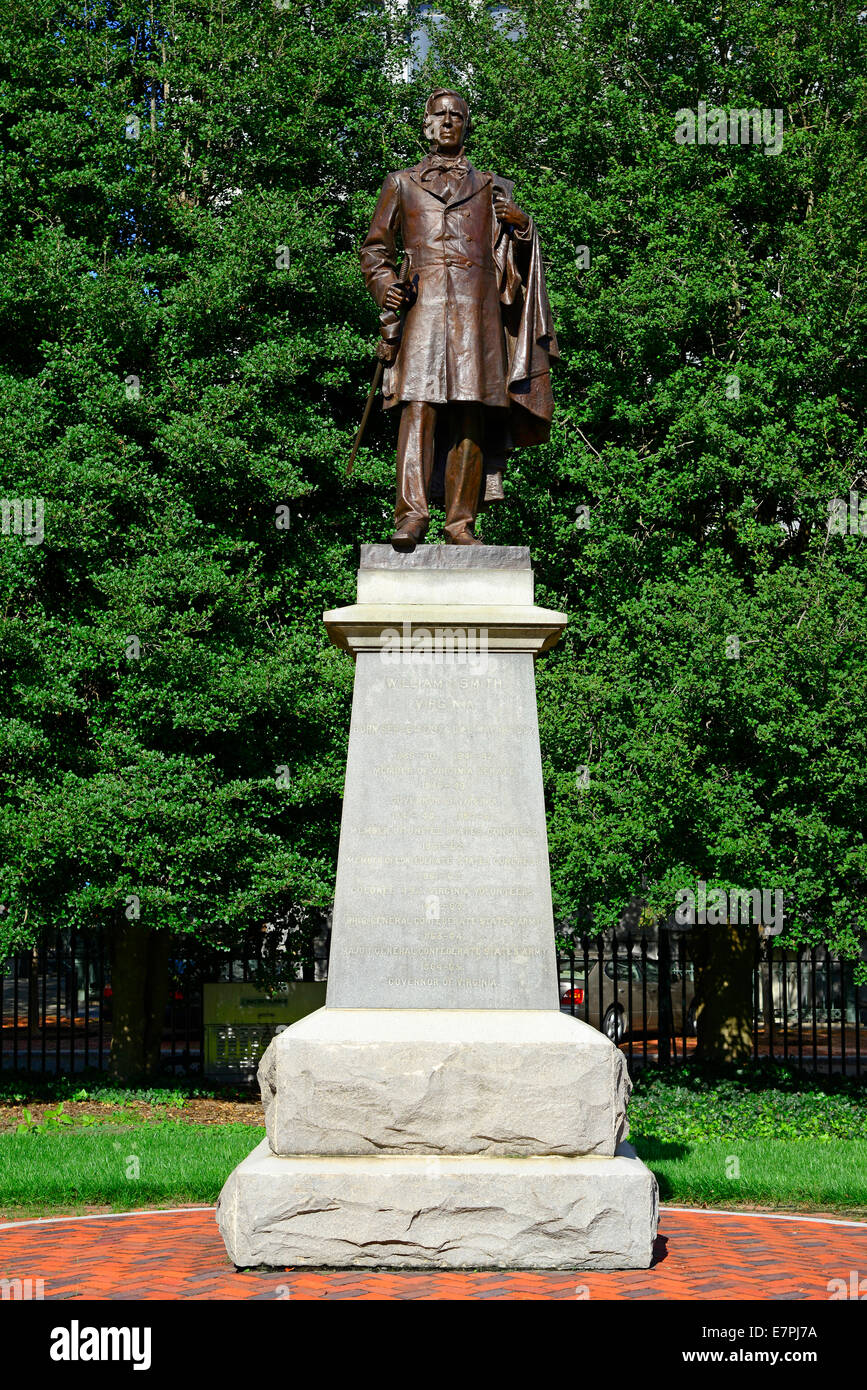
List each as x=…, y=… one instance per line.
x=507, y=212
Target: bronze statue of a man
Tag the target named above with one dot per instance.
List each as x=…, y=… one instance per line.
x=467, y=335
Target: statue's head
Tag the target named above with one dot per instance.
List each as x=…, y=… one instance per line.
x=446, y=121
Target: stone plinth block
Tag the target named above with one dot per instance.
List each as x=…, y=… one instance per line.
x=479, y=588
x=502, y=1082
x=474, y=1212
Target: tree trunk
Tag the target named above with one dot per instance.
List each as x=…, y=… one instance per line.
x=724, y=956
x=139, y=991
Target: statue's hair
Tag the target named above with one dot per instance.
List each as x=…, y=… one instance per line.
x=445, y=92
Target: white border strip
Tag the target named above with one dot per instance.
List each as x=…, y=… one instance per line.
x=769, y=1216
x=174, y=1211
x=98, y=1216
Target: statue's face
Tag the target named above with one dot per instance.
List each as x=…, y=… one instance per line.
x=446, y=125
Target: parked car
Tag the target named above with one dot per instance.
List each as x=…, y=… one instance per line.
x=617, y=1019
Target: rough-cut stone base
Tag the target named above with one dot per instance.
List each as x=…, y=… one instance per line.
x=420, y=1211
x=509, y=1082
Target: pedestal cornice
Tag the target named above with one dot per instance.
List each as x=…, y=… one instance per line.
x=365, y=627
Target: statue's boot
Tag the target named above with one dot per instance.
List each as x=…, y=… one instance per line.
x=415, y=452
x=407, y=538
x=463, y=538
x=463, y=474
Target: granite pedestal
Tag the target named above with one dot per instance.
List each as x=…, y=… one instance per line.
x=440, y=1110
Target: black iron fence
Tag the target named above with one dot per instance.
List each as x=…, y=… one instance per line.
x=57, y=1002
x=807, y=1008
x=641, y=992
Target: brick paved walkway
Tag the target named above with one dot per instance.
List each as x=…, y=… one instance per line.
x=179, y=1255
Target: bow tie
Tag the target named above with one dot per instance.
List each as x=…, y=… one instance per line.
x=443, y=165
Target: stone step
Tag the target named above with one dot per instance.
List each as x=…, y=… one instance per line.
x=416, y=1212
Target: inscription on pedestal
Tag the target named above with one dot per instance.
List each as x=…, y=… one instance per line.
x=443, y=894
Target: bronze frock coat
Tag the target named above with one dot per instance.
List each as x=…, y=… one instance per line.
x=480, y=328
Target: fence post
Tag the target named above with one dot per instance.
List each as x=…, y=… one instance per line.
x=32, y=994
x=629, y=949
x=664, y=1014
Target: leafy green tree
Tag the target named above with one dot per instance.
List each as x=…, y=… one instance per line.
x=185, y=345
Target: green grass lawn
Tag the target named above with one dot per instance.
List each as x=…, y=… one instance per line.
x=120, y=1166
x=785, y=1174
x=172, y=1163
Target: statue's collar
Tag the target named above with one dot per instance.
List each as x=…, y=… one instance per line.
x=471, y=182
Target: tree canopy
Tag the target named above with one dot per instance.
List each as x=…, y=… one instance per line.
x=185, y=348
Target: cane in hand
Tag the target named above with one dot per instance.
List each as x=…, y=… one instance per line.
x=409, y=293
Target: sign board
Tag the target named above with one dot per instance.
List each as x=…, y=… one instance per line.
x=240, y=1021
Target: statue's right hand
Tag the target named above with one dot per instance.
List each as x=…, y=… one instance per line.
x=395, y=297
